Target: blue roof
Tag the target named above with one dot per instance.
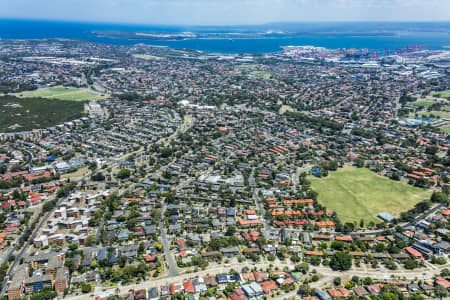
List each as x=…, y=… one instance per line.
x=101, y=254
x=230, y=211
x=123, y=234
x=112, y=258
x=322, y=295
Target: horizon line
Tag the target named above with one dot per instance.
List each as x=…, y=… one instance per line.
x=216, y=25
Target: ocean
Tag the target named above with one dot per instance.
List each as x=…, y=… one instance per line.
x=430, y=35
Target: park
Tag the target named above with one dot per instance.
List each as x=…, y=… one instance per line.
x=62, y=93
x=358, y=193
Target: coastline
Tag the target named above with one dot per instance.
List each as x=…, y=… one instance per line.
x=264, y=41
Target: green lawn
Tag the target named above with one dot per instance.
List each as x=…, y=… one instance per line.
x=61, y=93
x=261, y=74
x=443, y=94
x=445, y=129
x=422, y=103
x=435, y=97
x=147, y=57
x=441, y=114
x=356, y=194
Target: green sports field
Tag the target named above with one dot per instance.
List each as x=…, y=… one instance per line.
x=356, y=194
x=261, y=74
x=423, y=103
x=62, y=93
x=442, y=114
x=147, y=57
x=443, y=94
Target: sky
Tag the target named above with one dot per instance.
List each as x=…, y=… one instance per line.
x=225, y=12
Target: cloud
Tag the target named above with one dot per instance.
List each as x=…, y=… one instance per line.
x=227, y=11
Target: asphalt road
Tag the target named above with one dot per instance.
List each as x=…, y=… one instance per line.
x=29, y=157
x=99, y=228
x=267, y=225
x=170, y=259
x=327, y=276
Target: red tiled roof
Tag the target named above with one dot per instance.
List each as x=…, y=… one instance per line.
x=268, y=286
x=189, y=287
x=344, y=238
x=334, y=293
x=150, y=258
x=413, y=252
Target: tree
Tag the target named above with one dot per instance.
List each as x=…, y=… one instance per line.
x=431, y=150
x=158, y=246
x=422, y=206
x=295, y=257
x=359, y=163
x=45, y=293
x=438, y=260
x=337, y=245
x=69, y=264
x=92, y=166
x=349, y=227
x=98, y=177
x=314, y=260
x=166, y=174
x=3, y=169
x=410, y=264
x=73, y=247
x=141, y=248
x=90, y=240
x=337, y=281
x=178, y=296
x=388, y=296
x=85, y=287
x=349, y=285
x=380, y=247
x=303, y=267
x=445, y=272
x=341, y=261
x=304, y=289
x=438, y=197
x=123, y=174
x=231, y=230
x=441, y=291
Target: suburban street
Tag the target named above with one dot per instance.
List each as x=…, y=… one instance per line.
x=326, y=274
x=169, y=257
